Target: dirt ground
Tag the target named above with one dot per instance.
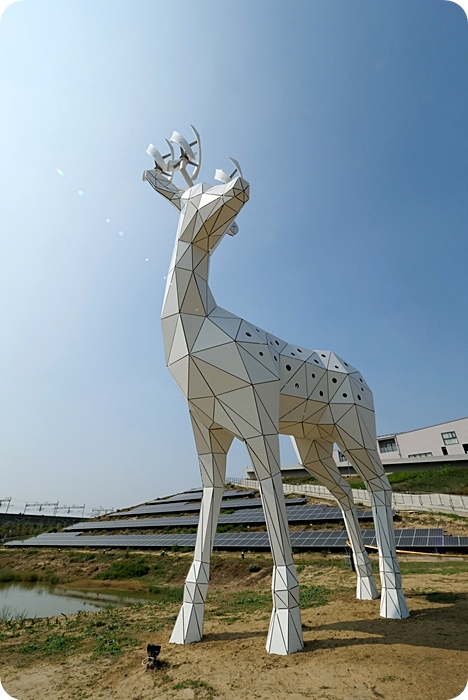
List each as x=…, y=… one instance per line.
x=350, y=652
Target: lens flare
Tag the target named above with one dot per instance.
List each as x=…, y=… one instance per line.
x=60, y=172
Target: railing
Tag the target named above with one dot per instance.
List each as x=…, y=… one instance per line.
x=429, y=502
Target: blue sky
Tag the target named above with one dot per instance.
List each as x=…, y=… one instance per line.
x=349, y=120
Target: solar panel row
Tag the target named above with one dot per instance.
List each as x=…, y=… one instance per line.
x=253, y=516
x=423, y=539
x=196, y=495
x=186, y=507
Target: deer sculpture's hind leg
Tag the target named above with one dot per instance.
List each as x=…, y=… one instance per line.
x=212, y=447
x=317, y=458
x=285, y=631
x=361, y=451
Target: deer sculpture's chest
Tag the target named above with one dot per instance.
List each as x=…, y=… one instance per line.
x=216, y=359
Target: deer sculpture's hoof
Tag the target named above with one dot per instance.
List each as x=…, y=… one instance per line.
x=285, y=633
x=393, y=604
x=189, y=624
x=366, y=588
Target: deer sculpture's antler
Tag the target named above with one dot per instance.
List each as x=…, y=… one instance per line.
x=168, y=164
x=187, y=157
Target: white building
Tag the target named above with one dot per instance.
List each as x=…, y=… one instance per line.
x=414, y=450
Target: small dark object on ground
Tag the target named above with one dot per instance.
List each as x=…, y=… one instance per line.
x=152, y=651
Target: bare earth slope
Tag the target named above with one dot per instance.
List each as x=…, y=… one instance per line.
x=350, y=653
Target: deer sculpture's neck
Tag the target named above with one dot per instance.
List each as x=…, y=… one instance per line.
x=187, y=290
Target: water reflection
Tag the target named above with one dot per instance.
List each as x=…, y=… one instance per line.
x=41, y=600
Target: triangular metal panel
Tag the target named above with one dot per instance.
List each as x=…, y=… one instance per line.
x=192, y=325
x=320, y=392
x=242, y=401
x=313, y=374
x=180, y=371
x=169, y=324
x=288, y=404
x=206, y=405
x=343, y=393
x=217, y=379
x=210, y=336
x=261, y=353
x=193, y=302
x=297, y=385
x=256, y=370
x=222, y=313
x=179, y=347
x=268, y=393
x=198, y=387
x=227, y=358
x=228, y=325
x=248, y=334
x=223, y=418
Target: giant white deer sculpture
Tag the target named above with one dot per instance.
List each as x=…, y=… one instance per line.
x=240, y=381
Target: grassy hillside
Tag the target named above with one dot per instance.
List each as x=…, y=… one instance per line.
x=444, y=480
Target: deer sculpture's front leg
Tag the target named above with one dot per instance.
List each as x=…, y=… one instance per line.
x=212, y=447
x=285, y=631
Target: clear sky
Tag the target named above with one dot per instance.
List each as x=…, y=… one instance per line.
x=349, y=119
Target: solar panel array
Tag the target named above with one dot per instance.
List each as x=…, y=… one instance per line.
x=411, y=539
x=196, y=495
x=186, y=507
x=455, y=541
x=254, y=516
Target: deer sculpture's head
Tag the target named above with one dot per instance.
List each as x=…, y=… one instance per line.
x=207, y=212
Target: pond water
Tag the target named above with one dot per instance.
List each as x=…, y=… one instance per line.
x=40, y=600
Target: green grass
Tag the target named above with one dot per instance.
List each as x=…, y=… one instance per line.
x=298, y=480
x=23, y=529
x=104, y=633
x=167, y=594
x=52, y=645
x=313, y=596
x=128, y=568
x=10, y=576
x=231, y=527
x=444, y=480
x=235, y=605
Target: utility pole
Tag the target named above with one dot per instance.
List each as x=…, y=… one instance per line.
x=5, y=500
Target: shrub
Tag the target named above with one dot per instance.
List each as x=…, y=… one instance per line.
x=130, y=568
x=30, y=577
x=254, y=567
x=7, y=575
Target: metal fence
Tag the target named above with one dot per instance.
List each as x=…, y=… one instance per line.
x=428, y=502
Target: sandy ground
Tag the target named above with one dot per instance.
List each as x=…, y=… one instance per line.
x=350, y=654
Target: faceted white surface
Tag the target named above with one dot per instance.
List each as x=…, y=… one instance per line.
x=240, y=381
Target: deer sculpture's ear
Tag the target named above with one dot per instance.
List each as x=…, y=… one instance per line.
x=233, y=229
x=221, y=176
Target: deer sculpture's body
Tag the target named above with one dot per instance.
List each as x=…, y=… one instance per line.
x=240, y=381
